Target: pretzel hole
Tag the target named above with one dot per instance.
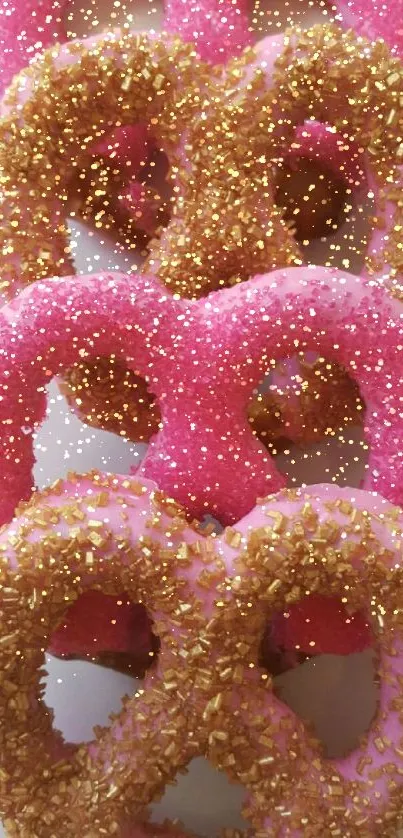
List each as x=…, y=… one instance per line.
x=330, y=220
x=105, y=394
x=323, y=663
x=204, y=800
x=309, y=411
x=123, y=190
x=108, y=630
x=313, y=197
x=98, y=629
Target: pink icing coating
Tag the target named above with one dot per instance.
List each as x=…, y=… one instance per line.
x=375, y=19
x=205, y=454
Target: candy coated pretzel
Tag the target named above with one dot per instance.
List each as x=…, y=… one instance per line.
x=309, y=76
x=210, y=599
x=27, y=29
x=109, y=533
x=191, y=352
x=334, y=542
x=110, y=66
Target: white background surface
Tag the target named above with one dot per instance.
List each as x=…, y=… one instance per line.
x=336, y=692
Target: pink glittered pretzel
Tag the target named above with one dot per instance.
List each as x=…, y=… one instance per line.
x=190, y=352
x=210, y=599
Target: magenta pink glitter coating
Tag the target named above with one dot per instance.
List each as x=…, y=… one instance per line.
x=374, y=19
x=190, y=352
x=26, y=28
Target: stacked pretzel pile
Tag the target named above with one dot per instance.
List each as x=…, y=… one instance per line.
x=175, y=355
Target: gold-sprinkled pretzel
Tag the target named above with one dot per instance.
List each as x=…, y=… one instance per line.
x=319, y=74
x=111, y=534
x=211, y=599
x=300, y=543
x=73, y=94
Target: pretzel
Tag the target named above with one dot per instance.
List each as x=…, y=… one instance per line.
x=210, y=599
x=109, y=533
